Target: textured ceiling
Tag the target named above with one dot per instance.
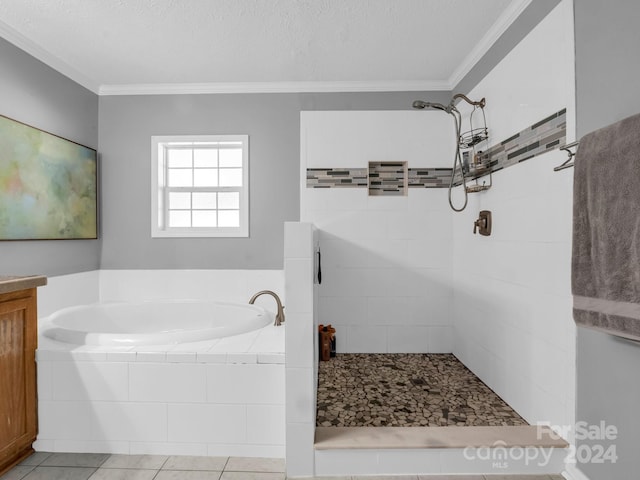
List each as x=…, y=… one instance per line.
x=425, y=43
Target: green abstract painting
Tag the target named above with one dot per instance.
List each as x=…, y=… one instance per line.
x=48, y=185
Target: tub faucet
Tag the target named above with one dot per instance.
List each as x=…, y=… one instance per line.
x=280, y=314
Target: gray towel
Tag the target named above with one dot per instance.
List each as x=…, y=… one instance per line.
x=606, y=230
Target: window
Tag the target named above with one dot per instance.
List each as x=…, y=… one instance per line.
x=200, y=186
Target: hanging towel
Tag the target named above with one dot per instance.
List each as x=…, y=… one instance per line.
x=606, y=230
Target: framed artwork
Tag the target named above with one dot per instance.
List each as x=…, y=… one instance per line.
x=48, y=185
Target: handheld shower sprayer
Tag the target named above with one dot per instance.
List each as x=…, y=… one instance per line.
x=420, y=105
x=457, y=119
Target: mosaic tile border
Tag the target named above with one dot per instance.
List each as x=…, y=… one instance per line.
x=337, y=177
x=548, y=134
x=429, y=177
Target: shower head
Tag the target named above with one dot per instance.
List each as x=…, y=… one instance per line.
x=419, y=104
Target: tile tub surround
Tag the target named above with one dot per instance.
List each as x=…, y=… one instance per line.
x=548, y=134
x=219, y=397
x=404, y=390
x=83, y=466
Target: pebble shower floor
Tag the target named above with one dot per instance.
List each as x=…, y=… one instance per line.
x=405, y=390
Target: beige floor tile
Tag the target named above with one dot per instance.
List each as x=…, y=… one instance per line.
x=216, y=464
x=60, y=473
x=36, y=458
x=253, y=464
x=451, y=477
x=332, y=478
x=17, y=472
x=123, y=474
x=517, y=477
x=75, y=460
x=252, y=476
x=149, y=462
x=386, y=477
x=187, y=475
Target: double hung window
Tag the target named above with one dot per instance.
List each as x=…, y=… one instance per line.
x=200, y=186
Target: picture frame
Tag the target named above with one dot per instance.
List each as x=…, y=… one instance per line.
x=48, y=185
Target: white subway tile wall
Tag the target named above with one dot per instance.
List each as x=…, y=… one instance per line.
x=386, y=261
x=512, y=299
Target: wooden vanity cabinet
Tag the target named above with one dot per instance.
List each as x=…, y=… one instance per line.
x=18, y=397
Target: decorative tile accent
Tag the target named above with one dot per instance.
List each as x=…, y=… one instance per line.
x=541, y=137
x=429, y=177
x=336, y=177
x=406, y=390
x=388, y=178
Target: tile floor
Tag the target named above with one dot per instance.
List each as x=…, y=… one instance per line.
x=92, y=466
x=406, y=390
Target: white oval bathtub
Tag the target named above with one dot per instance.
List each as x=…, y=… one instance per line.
x=157, y=322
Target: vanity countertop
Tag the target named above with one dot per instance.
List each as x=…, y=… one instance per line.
x=10, y=284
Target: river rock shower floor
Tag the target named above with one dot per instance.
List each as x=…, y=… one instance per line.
x=405, y=390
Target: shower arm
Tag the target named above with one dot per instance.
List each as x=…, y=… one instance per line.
x=480, y=103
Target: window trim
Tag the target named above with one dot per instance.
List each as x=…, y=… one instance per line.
x=159, y=190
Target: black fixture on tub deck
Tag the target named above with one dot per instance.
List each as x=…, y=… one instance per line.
x=483, y=224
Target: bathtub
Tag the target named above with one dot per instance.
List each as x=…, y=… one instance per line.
x=158, y=322
x=162, y=377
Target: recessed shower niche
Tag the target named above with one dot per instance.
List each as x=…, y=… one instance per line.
x=388, y=178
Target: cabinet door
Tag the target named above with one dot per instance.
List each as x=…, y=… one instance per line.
x=18, y=414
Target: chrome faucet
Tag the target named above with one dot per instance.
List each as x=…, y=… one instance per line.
x=280, y=314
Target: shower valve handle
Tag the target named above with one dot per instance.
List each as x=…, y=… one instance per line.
x=483, y=224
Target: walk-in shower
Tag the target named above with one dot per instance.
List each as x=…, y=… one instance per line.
x=466, y=140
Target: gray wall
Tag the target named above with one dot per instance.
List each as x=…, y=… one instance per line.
x=272, y=122
x=35, y=94
x=607, y=73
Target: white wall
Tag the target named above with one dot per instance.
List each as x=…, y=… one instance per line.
x=386, y=261
x=512, y=304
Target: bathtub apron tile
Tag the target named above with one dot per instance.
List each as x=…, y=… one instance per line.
x=64, y=420
x=266, y=424
x=129, y=421
x=176, y=382
x=44, y=377
x=85, y=381
x=207, y=423
x=245, y=384
x=91, y=446
x=167, y=448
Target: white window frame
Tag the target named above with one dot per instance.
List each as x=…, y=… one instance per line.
x=159, y=188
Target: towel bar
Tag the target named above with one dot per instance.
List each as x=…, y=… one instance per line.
x=571, y=154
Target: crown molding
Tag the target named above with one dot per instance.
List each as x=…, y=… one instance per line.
x=271, y=87
x=13, y=36
x=511, y=13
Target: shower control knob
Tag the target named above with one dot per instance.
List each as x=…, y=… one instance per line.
x=483, y=224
